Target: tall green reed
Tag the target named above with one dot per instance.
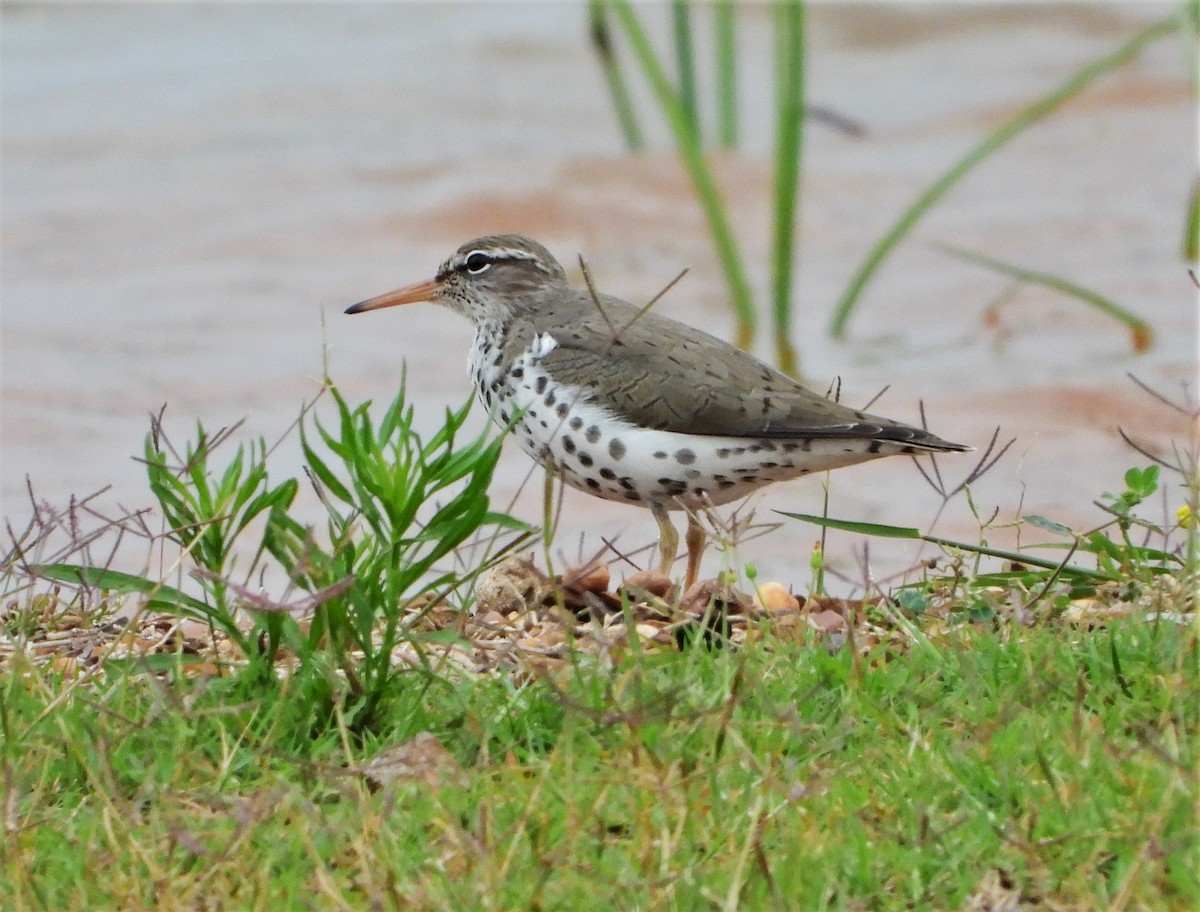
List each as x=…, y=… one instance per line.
x=678, y=101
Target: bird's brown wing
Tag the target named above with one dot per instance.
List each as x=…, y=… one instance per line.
x=662, y=374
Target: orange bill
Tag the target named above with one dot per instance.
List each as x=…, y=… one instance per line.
x=422, y=291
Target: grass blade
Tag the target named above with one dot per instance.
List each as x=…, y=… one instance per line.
x=1011, y=128
x=611, y=67
x=789, y=134
x=681, y=27
x=161, y=595
x=1191, y=230
x=863, y=528
x=1140, y=332
x=726, y=53
x=883, y=531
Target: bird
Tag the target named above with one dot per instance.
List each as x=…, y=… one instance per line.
x=635, y=407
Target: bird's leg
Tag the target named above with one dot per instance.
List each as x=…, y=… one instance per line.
x=695, y=546
x=548, y=517
x=668, y=538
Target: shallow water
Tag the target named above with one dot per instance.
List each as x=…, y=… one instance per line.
x=192, y=194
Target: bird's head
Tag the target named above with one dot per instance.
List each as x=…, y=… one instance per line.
x=487, y=279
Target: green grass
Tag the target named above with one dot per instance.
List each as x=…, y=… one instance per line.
x=1035, y=727
x=777, y=777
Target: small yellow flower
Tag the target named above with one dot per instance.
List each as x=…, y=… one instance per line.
x=1185, y=516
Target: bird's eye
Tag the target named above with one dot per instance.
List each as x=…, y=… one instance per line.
x=478, y=262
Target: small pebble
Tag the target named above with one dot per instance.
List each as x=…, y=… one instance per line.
x=650, y=581
x=775, y=599
x=595, y=580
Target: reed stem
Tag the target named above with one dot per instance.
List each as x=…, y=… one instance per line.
x=789, y=135
x=688, y=144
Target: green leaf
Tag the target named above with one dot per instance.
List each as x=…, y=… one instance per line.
x=863, y=528
x=902, y=532
x=1140, y=332
x=115, y=581
x=281, y=497
x=912, y=600
x=1049, y=525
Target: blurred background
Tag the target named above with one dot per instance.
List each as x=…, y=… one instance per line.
x=192, y=194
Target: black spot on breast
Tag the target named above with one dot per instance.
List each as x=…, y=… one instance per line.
x=586, y=460
x=754, y=448
x=725, y=484
x=908, y=449
x=723, y=453
x=576, y=423
x=806, y=445
x=875, y=446
x=608, y=474
x=592, y=433
x=685, y=456
x=561, y=409
x=770, y=465
x=626, y=482
x=593, y=484
x=660, y=454
x=568, y=443
x=791, y=447
x=517, y=373
x=632, y=495
x=496, y=360
x=540, y=385
x=616, y=449
x=550, y=397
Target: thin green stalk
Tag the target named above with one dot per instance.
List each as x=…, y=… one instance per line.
x=681, y=26
x=1189, y=19
x=1025, y=118
x=726, y=51
x=702, y=178
x=622, y=103
x=789, y=135
x=1139, y=329
x=1191, y=230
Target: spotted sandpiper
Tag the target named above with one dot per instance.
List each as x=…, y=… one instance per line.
x=636, y=407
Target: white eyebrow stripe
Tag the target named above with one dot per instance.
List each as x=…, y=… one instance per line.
x=459, y=260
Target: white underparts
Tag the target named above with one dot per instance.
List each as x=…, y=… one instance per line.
x=597, y=451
